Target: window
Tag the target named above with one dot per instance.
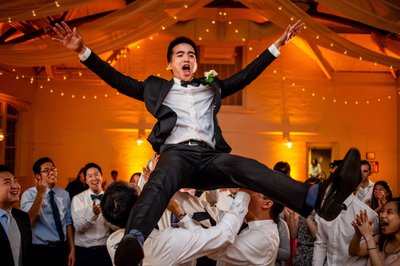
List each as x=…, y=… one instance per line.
x=224, y=67
x=8, y=125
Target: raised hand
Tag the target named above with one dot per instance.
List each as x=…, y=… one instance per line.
x=71, y=39
x=289, y=33
x=363, y=225
x=41, y=185
x=96, y=208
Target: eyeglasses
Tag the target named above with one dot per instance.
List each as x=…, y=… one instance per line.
x=47, y=171
x=365, y=171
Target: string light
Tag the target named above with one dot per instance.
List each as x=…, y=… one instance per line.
x=56, y=3
x=124, y=55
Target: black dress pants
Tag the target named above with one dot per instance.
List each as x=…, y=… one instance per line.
x=203, y=168
x=50, y=255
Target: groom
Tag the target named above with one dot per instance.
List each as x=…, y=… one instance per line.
x=193, y=152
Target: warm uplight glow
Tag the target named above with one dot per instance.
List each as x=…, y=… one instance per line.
x=288, y=143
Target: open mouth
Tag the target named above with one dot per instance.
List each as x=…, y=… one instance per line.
x=384, y=225
x=186, y=69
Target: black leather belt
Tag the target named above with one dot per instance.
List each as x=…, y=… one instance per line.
x=193, y=142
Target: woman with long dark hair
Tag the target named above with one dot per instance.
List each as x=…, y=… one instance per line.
x=383, y=249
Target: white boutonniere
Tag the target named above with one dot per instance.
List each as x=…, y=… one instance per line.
x=210, y=75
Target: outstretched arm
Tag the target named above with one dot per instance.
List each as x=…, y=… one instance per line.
x=71, y=39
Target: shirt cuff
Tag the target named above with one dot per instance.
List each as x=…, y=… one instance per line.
x=86, y=54
x=241, y=202
x=272, y=49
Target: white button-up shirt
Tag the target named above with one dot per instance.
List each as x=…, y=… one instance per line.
x=256, y=245
x=333, y=237
x=90, y=229
x=193, y=106
x=176, y=246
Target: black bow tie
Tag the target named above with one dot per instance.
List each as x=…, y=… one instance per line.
x=99, y=197
x=193, y=82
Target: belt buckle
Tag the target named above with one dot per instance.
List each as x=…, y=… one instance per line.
x=193, y=143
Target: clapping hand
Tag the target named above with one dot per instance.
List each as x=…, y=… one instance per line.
x=363, y=225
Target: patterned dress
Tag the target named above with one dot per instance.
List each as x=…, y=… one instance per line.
x=305, y=244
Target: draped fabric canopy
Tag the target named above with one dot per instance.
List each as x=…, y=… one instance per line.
x=142, y=18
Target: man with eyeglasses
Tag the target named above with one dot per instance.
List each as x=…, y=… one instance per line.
x=365, y=189
x=49, y=209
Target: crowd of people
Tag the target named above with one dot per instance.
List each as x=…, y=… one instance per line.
x=50, y=228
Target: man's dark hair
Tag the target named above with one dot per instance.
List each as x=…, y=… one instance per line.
x=282, y=167
x=92, y=165
x=117, y=203
x=367, y=163
x=5, y=168
x=114, y=172
x=335, y=163
x=36, y=166
x=276, y=209
x=177, y=41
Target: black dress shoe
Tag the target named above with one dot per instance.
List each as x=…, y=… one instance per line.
x=340, y=184
x=129, y=252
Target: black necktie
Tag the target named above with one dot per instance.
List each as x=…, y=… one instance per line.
x=201, y=216
x=56, y=215
x=193, y=82
x=243, y=226
x=94, y=196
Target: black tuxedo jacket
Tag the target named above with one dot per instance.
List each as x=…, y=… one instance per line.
x=153, y=91
x=24, y=225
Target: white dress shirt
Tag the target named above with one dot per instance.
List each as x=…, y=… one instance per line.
x=256, y=245
x=333, y=238
x=225, y=200
x=175, y=246
x=90, y=229
x=194, y=113
x=365, y=194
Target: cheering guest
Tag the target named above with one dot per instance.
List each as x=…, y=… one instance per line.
x=383, y=249
x=49, y=209
x=91, y=230
x=15, y=229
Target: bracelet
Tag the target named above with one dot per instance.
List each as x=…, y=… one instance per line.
x=371, y=248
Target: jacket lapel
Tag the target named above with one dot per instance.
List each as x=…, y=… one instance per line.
x=165, y=88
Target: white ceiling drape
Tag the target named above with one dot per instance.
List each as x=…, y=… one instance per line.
x=378, y=15
x=145, y=17
x=284, y=12
x=118, y=29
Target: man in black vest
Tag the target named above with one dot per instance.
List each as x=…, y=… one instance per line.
x=15, y=228
x=193, y=152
